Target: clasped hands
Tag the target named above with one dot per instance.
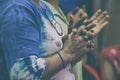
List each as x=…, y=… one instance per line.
x=82, y=32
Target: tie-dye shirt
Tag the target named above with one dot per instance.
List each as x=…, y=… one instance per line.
x=26, y=37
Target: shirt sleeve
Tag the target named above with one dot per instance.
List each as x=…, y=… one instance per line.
x=20, y=43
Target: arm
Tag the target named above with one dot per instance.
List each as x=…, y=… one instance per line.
x=20, y=41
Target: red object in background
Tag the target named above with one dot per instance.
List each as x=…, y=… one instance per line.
x=92, y=71
x=112, y=54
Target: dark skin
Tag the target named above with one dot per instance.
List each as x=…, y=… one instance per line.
x=93, y=25
x=75, y=46
x=73, y=57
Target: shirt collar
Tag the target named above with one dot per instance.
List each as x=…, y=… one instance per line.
x=59, y=13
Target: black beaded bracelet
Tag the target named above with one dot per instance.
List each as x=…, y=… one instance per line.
x=62, y=59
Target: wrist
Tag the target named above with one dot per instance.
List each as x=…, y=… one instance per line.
x=67, y=57
x=63, y=60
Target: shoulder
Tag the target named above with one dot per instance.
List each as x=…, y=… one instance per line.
x=17, y=10
x=18, y=6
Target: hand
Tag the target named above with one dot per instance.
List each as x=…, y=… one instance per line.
x=76, y=18
x=93, y=25
x=75, y=46
x=99, y=20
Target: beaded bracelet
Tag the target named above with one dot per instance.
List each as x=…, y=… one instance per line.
x=62, y=59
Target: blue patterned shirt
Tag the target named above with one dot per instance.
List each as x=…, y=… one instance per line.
x=26, y=37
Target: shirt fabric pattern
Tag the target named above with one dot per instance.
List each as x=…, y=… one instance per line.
x=26, y=37
x=65, y=73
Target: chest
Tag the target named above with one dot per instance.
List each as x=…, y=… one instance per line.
x=50, y=41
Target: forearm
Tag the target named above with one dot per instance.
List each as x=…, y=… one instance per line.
x=33, y=67
x=54, y=64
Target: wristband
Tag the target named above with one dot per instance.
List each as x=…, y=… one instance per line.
x=62, y=59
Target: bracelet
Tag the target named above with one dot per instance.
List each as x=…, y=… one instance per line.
x=62, y=59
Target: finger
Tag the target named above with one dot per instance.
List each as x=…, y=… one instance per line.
x=74, y=30
x=81, y=30
x=73, y=34
x=84, y=13
x=101, y=16
x=79, y=22
x=103, y=25
x=104, y=19
x=95, y=31
x=71, y=20
x=92, y=34
x=96, y=14
x=87, y=21
x=64, y=38
x=90, y=26
x=79, y=13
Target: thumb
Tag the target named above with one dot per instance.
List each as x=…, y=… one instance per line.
x=64, y=38
x=71, y=19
